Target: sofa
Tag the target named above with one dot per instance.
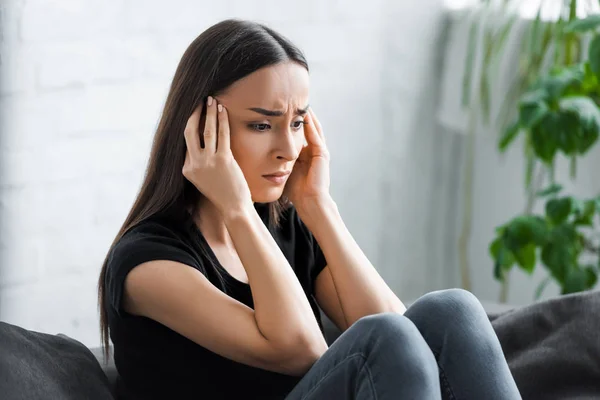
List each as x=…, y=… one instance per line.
x=552, y=347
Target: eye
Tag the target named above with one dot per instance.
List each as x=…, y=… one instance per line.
x=259, y=127
x=298, y=124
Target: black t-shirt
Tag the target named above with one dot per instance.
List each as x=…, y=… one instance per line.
x=155, y=362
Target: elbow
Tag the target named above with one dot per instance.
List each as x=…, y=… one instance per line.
x=301, y=356
x=303, y=362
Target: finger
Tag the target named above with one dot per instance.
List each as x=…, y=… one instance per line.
x=311, y=133
x=192, y=138
x=224, y=131
x=210, y=126
x=317, y=123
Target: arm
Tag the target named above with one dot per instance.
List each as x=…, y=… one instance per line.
x=183, y=299
x=349, y=286
x=282, y=311
x=281, y=334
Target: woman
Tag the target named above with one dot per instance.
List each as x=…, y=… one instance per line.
x=211, y=287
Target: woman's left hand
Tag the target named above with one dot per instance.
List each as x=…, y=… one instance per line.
x=309, y=180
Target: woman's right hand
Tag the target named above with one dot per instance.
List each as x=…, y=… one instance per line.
x=212, y=169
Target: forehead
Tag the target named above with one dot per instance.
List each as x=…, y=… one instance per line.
x=275, y=87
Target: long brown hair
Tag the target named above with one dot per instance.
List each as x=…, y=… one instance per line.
x=221, y=55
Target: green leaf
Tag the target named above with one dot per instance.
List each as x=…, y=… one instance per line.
x=584, y=108
x=561, y=252
x=565, y=129
x=503, y=258
x=591, y=275
x=501, y=254
x=532, y=109
x=509, y=135
x=587, y=141
x=557, y=210
x=575, y=281
x=590, y=81
x=565, y=234
x=544, y=144
x=526, y=257
x=588, y=115
x=553, y=189
x=583, y=25
x=577, y=206
x=561, y=81
x=525, y=229
x=585, y=213
x=594, y=55
x=498, y=271
x=557, y=259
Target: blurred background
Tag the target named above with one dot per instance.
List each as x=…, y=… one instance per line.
x=411, y=95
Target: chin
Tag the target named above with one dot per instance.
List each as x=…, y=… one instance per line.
x=267, y=195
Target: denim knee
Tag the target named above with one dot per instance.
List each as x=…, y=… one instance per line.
x=451, y=306
x=394, y=339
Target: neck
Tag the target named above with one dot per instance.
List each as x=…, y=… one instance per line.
x=211, y=223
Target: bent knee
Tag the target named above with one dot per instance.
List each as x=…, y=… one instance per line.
x=392, y=334
x=390, y=331
x=450, y=304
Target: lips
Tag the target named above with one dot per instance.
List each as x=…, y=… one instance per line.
x=280, y=173
x=277, y=177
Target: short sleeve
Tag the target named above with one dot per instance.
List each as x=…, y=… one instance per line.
x=316, y=261
x=320, y=261
x=148, y=242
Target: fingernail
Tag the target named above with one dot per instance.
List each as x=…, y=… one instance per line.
x=220, y=107
x=210, y=99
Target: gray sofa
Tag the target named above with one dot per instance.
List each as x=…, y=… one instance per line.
x=552, y=347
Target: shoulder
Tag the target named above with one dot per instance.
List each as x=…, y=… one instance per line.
x=149, y=240
x=147, y=236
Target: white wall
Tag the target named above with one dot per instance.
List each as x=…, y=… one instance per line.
x=82, y=84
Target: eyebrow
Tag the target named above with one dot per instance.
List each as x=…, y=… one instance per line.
x=277, y=113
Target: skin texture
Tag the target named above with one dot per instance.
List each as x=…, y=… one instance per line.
x=267, y=144
x=262, y=144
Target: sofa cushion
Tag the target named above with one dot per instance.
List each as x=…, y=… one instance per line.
x=36, y=365
x=553, y=347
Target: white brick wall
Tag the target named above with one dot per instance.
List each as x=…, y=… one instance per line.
x=82, y=85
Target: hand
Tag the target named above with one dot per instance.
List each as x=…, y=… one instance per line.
x=212, y=169
x=309, y=180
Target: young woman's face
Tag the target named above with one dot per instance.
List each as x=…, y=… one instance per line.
x=266, y=110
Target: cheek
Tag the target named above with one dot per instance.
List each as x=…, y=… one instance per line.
x=300, y=140
x=247, y=150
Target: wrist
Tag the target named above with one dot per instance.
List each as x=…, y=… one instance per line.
x=236, y=213
x=316, y=209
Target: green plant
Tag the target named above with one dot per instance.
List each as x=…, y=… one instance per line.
x=546, y=44
x=557, y=114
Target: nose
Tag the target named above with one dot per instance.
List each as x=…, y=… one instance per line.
x=287, y=146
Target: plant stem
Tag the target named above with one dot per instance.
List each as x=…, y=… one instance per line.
x=570, y=37
x=531, y=198
x=465, y=235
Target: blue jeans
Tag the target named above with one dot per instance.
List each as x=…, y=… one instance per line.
x=444, y=346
